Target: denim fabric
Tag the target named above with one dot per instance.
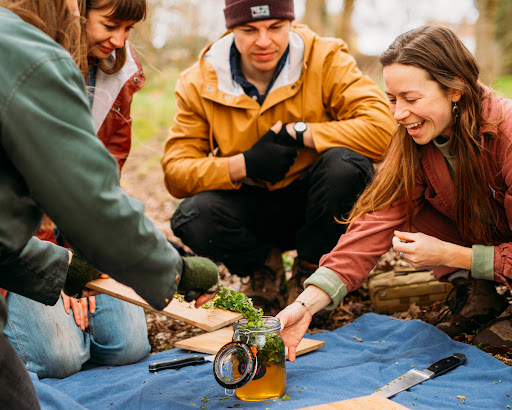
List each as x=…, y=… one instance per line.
x=240, y=227
x=50, y=344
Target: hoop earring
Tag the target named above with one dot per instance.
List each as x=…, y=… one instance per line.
x=455, y=110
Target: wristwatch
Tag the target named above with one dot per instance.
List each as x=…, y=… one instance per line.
x=300, y=128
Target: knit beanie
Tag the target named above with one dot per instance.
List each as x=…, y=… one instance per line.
x=243, y=11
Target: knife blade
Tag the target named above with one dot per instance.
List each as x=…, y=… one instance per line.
x=181, y=362
x=415, y=376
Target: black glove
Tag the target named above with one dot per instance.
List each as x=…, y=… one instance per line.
x=268, y=160
x=79, y=273
x=200, y=275
x=284, y=138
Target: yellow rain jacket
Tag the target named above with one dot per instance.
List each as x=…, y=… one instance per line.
x=319, y=84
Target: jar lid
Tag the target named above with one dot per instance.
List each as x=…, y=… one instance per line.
x=235, y=365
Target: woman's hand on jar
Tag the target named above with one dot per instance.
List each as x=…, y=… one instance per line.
x=296, y=317
x=295, y=320
x=426, y=252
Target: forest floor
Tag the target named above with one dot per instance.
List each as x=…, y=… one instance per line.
x=143, y=179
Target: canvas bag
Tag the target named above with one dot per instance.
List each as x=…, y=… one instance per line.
x=396, y=290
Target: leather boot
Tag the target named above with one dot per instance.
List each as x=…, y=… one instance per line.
x=498, y=332
x=265, y=286
x=476, y=302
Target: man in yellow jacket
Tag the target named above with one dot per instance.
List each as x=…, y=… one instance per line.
x=274, y=137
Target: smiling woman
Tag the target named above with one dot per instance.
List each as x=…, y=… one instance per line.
x=104, y=34
x=419, y=103
x=442, y=196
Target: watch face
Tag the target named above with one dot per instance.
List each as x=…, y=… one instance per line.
x=300, y=126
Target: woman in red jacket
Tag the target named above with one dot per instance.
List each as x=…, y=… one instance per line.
x=442, y=198
x=97, y=330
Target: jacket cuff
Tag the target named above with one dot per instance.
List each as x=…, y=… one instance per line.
x=330, y=283
x=482, y=262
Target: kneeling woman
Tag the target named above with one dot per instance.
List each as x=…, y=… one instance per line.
x=442, y=197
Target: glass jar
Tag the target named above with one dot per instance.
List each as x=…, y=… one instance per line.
x=254, y=363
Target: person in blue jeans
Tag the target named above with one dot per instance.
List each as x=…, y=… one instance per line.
x=95, y=328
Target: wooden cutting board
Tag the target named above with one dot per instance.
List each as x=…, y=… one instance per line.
x=207, y=319
x=210, y=343
x=371, y=402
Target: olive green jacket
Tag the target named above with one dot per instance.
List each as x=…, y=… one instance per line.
x=51, y=161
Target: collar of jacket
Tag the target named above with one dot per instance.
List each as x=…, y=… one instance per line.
x=108, y=86
x=220, y=87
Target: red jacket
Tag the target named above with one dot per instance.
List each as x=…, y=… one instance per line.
x=358, y=250
x=113, y=95
x=111, y=107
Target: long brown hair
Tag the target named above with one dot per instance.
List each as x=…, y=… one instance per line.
x=121, y=11
x=439, y=52
x=53, y=18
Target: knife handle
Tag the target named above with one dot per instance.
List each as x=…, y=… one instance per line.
x=446, y=364
x=177, y=363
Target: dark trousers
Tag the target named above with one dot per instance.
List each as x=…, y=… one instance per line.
x=240, y=227
x=16, y=388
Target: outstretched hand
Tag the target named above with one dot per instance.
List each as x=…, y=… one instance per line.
x=295, y=320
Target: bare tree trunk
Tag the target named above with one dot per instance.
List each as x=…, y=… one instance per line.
x=315, y=16
x=344, y=29
x=487, y=49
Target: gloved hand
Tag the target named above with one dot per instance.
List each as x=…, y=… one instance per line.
x=284, y=138
x=79, y=273
x=200, y=275
x=268, y=160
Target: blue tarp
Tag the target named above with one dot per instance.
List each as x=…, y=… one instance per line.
x=357, y=359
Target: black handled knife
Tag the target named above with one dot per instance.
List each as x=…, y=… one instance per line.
x=414, y=376
x=179, y=363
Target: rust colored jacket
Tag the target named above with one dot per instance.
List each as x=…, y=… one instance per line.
x=320, y=84
x=358, y=250
x=111, y=106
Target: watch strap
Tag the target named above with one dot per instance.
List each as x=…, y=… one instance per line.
x=300, y=139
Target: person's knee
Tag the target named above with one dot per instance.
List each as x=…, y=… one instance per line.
x=345, y=165
x=118, y=332
x=129, y=352
x=192, y=214
x=58, y=363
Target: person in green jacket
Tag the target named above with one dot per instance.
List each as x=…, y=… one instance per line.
x=52, y=162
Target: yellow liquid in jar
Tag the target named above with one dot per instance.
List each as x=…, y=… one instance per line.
x=270, y=386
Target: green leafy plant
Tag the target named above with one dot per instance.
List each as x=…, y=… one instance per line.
x=230, y=299
x=271, y=352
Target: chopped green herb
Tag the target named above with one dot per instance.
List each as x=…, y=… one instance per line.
x=230, y=299
x=286, y=397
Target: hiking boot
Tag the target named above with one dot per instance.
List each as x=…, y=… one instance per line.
x=476, y=301
x=497, y=332
x=265, y=285
x=300, y=272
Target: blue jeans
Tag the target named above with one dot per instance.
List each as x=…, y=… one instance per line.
x=50, y=343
